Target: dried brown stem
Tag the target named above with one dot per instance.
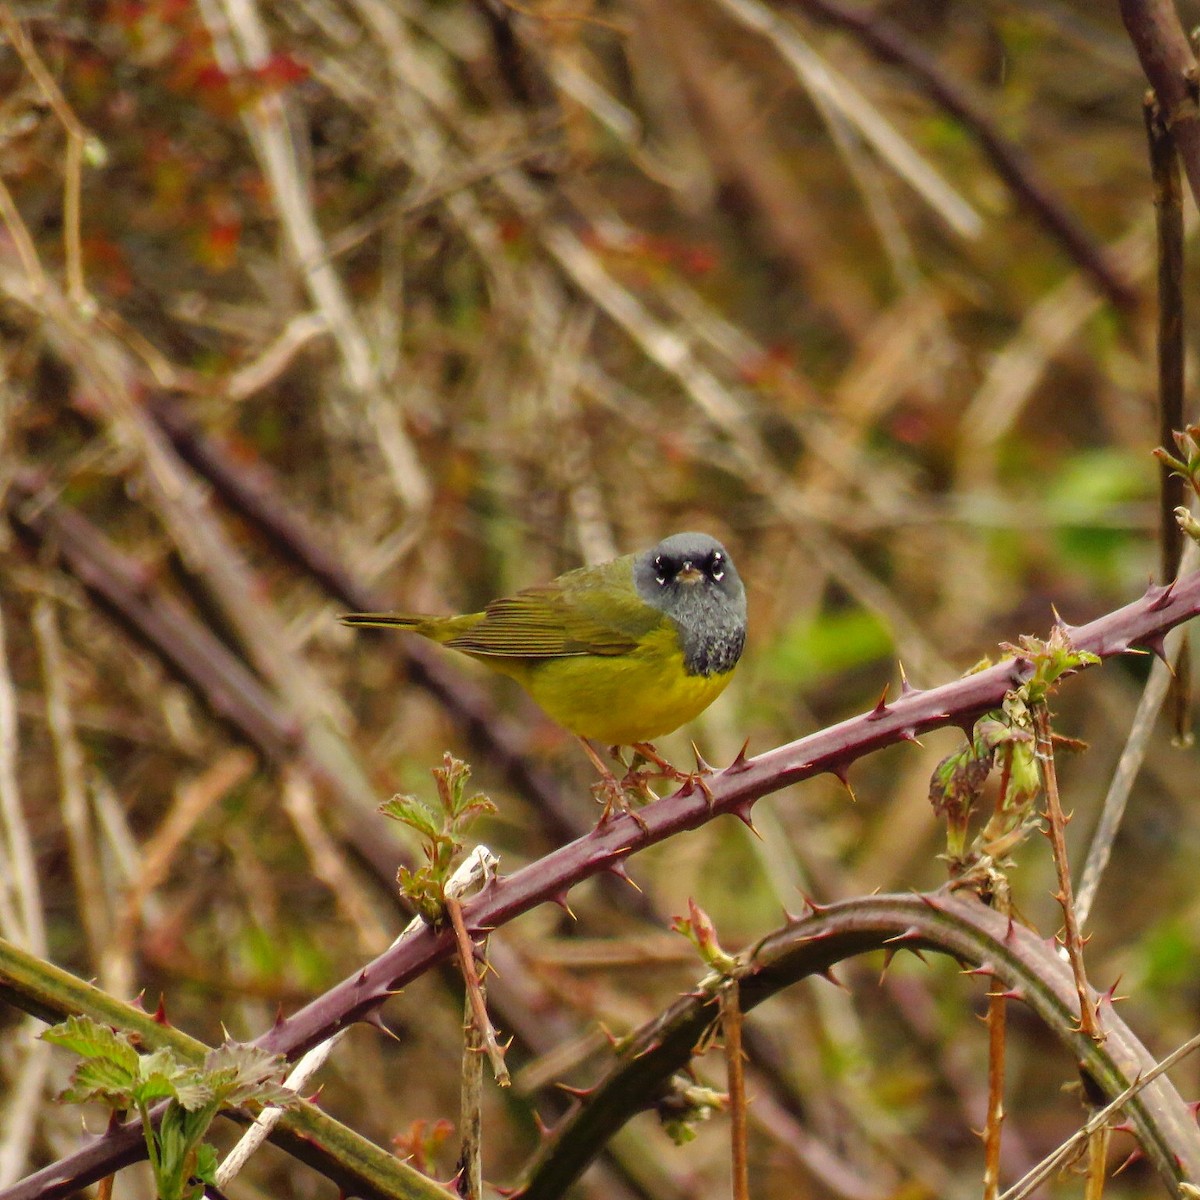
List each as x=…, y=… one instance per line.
x=1173, y=489
x=1044, y=750
x=996, y=1013
x=483, y=1023
x=470, y=1155
x=731, y=1028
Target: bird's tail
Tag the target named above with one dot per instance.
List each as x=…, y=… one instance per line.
x=394, y=620
x=437, y=629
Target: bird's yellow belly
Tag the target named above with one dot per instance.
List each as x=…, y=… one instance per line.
x=623, y=699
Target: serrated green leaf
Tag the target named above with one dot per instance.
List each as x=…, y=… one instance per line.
x=413, y=813
x=100, y=1079
x=206, y=1163
x=240, y=1072
x=154, y=1087
x=163, y=1062
x=194, y=1093
x=89, y=1039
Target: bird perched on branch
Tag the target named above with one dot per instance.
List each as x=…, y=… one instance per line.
x=619, y=653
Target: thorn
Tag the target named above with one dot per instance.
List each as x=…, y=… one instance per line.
x=1135, y=1155
x=911, y=934
x=1159, y=596
x=617, y=868
x=576, y=1092
x=279, y=1017
x=843, y=777
x=611, y=1038
x=703, y=766
x=828, y=974
x=139, y=1001
x=906, y=688
x=814, y=909
x=160, y=1013
x=1011, y=930
x=372, y=1017
x=1156, y=644
x=656, y=1044
x=560, y=898
x=888, y=955
x=740, y=762
x=930, y=901
x=910, y=735
x=544, y=1131
x=361, y=978
x=985, y=969
x=742, y=812
x=881, y=705
x=315, y=1097
x=1013, y=993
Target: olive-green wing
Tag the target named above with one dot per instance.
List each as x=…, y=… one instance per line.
x=594, y=610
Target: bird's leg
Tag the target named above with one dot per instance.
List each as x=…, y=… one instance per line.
x=689, y=780
x=609, y=791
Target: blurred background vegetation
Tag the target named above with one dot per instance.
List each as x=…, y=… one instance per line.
x=409, y=303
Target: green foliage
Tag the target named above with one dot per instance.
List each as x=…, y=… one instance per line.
x=441, y=831
x=1051, y=660
x=112, y=1071
x=1004, y=740
x=828, y=644
x=1080, y=496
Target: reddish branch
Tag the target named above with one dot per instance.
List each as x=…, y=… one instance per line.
x=1170, y=66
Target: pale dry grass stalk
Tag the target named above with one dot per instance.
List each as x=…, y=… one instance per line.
x=78, y=141
x=92, y=898
x=21, y=914
x=22, y=921
x=819, y=79
x=329, y=863
x=190, y=804
x=240, y=41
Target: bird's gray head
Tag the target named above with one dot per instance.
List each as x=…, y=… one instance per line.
x=691, y=578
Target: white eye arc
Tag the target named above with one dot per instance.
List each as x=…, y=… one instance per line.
x=717, y=571
x=660, y=571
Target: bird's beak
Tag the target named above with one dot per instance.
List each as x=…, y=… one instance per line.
x=689, y=574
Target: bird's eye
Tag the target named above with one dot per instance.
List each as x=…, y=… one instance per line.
x=716, y=566
x=661, y=573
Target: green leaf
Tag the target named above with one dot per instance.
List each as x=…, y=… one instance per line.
x=242, y=1072
x=100, y=1079
x=89, y=1039
x=206, y=1164
x=411, y=812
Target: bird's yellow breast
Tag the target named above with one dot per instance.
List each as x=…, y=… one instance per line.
x=621, y=699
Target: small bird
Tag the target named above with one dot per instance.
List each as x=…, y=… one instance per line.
x=620, y=653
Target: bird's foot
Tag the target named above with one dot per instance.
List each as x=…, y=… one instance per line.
x=616, y=798
x=689, y=781
x=615, y=794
